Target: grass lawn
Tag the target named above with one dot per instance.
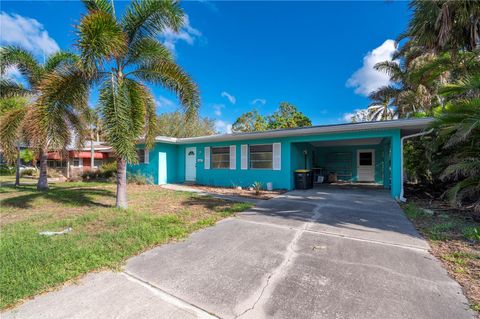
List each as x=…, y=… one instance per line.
x=454, y=238
x=102, y=236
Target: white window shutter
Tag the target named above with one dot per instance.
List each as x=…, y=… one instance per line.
x=277, y=156
x=147, y=157
x=207, y=158
x=233, y=157
x=244, y=157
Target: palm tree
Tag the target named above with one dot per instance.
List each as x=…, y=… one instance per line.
x=381, y=108
x=56, y=96
x=458, y=140
x=12, y=98
x=445, y=25
x=124, y=55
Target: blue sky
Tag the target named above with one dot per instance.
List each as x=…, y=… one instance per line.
x=243, y=55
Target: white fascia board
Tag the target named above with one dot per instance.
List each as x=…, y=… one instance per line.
x=419, y=124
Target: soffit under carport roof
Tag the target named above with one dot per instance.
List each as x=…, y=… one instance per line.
x=353, y=142
x=407, y=126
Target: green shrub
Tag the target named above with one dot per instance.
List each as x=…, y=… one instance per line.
x=109, y=169
x=472, y=233
x=139, y=179
x=106, y=172
x=6, y=170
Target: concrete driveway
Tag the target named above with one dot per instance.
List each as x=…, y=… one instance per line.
x=331, y=252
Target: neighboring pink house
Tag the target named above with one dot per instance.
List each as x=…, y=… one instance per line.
x=77, y=161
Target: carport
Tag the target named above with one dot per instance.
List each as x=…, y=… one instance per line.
x=362, y=160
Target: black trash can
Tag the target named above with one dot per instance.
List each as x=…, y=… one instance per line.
x=303, y=179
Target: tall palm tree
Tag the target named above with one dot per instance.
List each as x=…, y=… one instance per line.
x=124, y=55
x=450, y=25
x=381, y=108
x=57, y=94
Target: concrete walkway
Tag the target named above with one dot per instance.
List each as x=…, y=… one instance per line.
x=323, y=253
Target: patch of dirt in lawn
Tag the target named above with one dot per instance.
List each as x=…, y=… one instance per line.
x=238, y=192
x=159, y=201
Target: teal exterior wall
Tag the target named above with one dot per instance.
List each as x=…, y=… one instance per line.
x=150, y=170
x=238, y=177
x=387, y=160
x=322, y=153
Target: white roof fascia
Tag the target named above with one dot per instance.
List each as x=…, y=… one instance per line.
x=420, y=123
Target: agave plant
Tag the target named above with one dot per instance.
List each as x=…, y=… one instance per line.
x=47, y=112
x=125, y=55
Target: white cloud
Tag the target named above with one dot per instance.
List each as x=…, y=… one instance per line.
x=27, y=33
x=357, y=115
x=258, y=101
x=230, y=97
x=217, y=109
x=223, y=127
x=187, y=34
x=367, y=79
x=164, y=104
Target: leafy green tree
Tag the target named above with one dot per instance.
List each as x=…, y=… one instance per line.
x=124, y=55
x=251, y=121
x=49, y=115
x=288, y=116
x=27, y=155
x=176, y=124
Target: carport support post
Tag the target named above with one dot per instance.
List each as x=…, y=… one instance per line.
x=396, y=168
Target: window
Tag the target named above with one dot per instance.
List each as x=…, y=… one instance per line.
x=97, y=162
x=141, y=156
x=77, y=162
x=220, y=157
x=261, y=156
x=365, y=158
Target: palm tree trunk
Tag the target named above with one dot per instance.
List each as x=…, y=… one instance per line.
x=121, y=183
x=17, y=168
x=42, y=180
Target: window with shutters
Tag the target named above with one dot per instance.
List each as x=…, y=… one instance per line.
x=261, y=156
x=220, y=157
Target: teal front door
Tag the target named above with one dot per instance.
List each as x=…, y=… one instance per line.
x=162, y=168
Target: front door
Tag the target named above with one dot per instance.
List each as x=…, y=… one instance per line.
x=162, y=168
x=366, y=166
x=190, y=164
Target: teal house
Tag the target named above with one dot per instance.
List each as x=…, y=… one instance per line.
x=369, y=152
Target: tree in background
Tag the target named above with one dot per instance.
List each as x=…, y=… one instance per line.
x=381, y=108
x=12, y=97
x=251, y=121
x=287, y=116
x=50, y=113
x=124, y=55
x=28, y=156
x=176, y=124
